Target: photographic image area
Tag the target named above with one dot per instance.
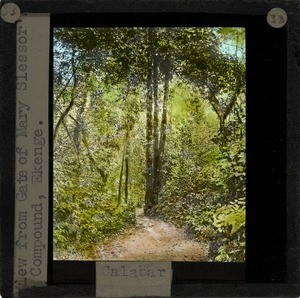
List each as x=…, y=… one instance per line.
x=149, y=144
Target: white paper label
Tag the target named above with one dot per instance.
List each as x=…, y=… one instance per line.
x=32, y=151
x=133, y=279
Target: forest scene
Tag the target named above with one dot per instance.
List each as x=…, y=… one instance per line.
x=149, y=144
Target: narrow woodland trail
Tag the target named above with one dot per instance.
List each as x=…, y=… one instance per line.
x=153, y=240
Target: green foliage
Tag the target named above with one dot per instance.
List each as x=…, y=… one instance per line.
x=83, y=220
x=103, y=83
x=230, y=222
x=229, y=219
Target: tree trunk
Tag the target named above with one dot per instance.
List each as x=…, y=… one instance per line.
x=78, y=122
x=149, y=198
x=126, y=176
x=163, y=127
x=93, y=163
x=121, y=180
x=127, y=162
x=156, y=156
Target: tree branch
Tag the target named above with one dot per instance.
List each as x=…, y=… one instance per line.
x=68, y=108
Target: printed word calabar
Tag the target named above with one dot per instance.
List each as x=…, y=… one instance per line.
x=138, y=272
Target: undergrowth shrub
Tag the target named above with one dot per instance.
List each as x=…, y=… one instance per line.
x=230, y=221
x=82, y=222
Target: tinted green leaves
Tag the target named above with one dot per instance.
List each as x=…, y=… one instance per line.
x=176, y=92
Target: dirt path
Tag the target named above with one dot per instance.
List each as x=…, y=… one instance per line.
x=151, y=240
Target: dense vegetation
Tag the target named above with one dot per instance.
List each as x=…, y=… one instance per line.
x=151, y=118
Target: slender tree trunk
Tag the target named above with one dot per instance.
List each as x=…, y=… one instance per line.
x=125, y=155
x=156, y=156
x=149, y=200
x=127, y=161
x=78, y=122
x=126, y=176
x=93, y=163
x=163, y=127
x=120, y=180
